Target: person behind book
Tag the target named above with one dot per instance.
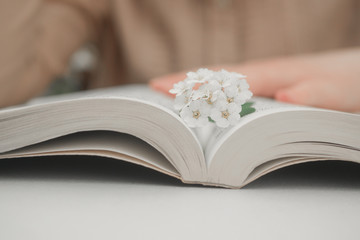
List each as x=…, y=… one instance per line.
x=300, y=51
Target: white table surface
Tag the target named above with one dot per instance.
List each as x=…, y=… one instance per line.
x=97, y=198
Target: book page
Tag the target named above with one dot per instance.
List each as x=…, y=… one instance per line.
x=277, y=131
x=263, y=106
x=94, y=142
x=137, y=91
x=134, y=109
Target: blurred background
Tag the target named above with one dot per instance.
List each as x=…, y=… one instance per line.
x=57, y=46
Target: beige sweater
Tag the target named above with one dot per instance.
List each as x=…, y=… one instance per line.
x=141, y=39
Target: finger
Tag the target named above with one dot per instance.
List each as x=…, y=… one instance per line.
x=267, y=77
x=165, y=83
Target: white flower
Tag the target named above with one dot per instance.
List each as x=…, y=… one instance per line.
x=200, y=76
x=224, y=78
x=218, y=95
x=182, y=100
x=196, y=114
x=238, y=92
x=181, y=87
x=198, y=94
x=212, y=90
x=225, y=114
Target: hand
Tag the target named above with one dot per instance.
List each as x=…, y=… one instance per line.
x=327, y=80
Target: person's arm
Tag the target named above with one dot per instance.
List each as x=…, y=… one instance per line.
x=37, y=40
x=328, y=80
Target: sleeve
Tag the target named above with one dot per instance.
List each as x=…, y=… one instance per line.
x=37, y=38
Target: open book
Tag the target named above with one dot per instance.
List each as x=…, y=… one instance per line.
x=138, y=125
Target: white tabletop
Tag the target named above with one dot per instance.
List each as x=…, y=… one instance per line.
x=97, y=198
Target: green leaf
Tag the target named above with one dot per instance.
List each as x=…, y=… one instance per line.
x=247, y=109
x=210, y=120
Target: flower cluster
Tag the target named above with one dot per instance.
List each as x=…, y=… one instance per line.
x=208, y=96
